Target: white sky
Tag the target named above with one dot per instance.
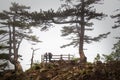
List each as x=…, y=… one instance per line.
x=52, y=39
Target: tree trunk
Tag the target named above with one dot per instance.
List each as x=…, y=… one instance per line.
x=10, y=46
x=10, y=43
x=18, y=67
x=14, y=48
x=32, y=59
x=82, y=32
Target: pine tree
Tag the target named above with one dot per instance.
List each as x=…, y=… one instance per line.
x=115, y=55
x=18, y=27
x=79, y=15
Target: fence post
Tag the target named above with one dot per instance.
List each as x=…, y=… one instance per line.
x=61, y=57
x=68, y=56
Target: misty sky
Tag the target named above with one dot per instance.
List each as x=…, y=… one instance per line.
x=52, y=39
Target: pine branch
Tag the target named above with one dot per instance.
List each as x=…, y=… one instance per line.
x=3, y=26
x=4, y=56
x=101, y=36
x=66, y=22
x=116, y=26
x=3, y=32
x=4, y=47
x=71, y=43
x=4, y=36
x=3, y=16
x=4, y=40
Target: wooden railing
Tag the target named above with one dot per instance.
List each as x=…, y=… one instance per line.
x=57, y=57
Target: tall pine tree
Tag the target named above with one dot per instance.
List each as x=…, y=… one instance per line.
x=79, y=14
x=18, y=27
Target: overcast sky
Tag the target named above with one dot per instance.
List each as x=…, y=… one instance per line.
x=52, y=39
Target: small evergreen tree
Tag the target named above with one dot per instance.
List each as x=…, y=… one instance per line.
x=97, y=58
x=115, y=55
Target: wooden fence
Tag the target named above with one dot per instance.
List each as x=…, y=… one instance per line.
x=57, y=57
